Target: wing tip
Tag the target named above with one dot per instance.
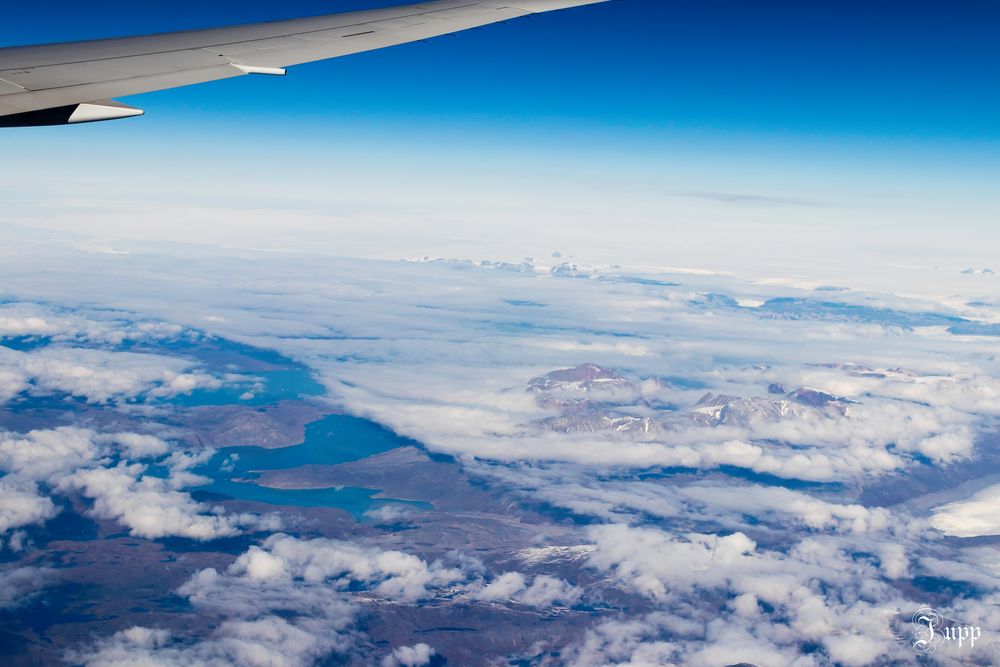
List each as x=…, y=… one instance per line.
x=539, y=6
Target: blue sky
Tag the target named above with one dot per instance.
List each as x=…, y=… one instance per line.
x=768, y=112
x=909, y=70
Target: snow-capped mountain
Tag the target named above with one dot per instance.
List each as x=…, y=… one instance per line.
x=583, y=379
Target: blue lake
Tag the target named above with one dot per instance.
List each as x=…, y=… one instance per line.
x=329, y=441
x=272, y=378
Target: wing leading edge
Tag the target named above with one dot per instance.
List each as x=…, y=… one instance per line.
x=75, y=82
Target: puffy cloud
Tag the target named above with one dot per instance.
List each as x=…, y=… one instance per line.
x=267, y=641
x=272, y=614
x=974, y=517
x=417, y=655
x=965, y=391
x=144, y=637
x=28, y=325
x=653, y=562
x=893, y=561
x=22, y=505
x=283, y=559
x=79, y=325
x=71, y=363
x=137, y=445
x=665, y=638
x=100, y=376
x=819, y=594
x=634, y=642
x=504, y=587
x=45, y=454
x=17, y=541
x=40, y=456
x=544, y=591
x=21, y=585
x=150, y=506
x=387, y=514
x=97, y=375
x=12, y=382
x=75, y=460
x=283, y=603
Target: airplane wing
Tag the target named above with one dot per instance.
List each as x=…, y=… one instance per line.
x=75, y=82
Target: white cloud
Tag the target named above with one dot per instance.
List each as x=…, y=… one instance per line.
x=633, y=642
x=21, y=585
x=23, y=326
x=100, y=376
x=417, y=655
x=22, y=505
x=138, y=446
x=283, y=603
x=108, y=327
x=392, y=574
x=544, y=591
x=819, y=594
x=654, y=563
x=894, y=562
x=40, y=456
x=444, y=356
x=974, y=517
x=76, y=460
x=777, y=502
x=150, y=506
x=629, y=501
x=12, y=383
x=504, y=587
x=457, y=391
x=388, y=513
x=267, y=641
x=45, y=454
x=67, y=356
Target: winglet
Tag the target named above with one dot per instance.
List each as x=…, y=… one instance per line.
x=91, y=112
x=254, y=69
x=71, y=114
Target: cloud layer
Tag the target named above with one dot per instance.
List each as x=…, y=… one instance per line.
x=759, y=486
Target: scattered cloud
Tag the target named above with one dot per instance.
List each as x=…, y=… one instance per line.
x=760, y=545
x=21, y=585
x=284, y=560
x=974, y=517
x=151, y=507
x=543, y=592
x=21, y=505
x=779, y=602
x=263, y=642
x=285, y=602
x=72, y=460
x=417, y=655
